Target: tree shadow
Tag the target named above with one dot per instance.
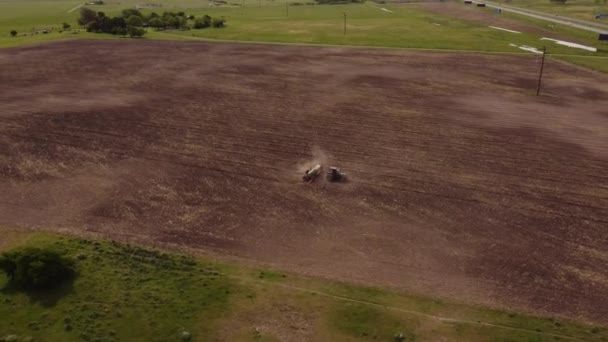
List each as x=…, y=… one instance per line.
x=45, y=297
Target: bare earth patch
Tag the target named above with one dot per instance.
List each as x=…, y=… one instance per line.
x=462, y=184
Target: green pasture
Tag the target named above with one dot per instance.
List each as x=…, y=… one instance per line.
x=581, y=9
x=596, y=63
x=129, y=293
x=368, y=24
x=582, y=36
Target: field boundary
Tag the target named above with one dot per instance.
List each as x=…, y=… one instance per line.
x=371, y=47
x=347, y=46
x=552, y=56
x=291, y=288
x=413, y=312
x=294, y=288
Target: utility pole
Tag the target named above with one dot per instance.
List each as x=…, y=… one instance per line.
x=540, y=75
x=345, y=23
x=287, y=7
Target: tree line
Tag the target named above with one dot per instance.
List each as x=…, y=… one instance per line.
x=132, y=22
x=65, y=27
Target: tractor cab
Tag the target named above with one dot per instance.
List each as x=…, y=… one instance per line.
x=334, y=174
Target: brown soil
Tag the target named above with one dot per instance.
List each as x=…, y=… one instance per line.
x=462, y=183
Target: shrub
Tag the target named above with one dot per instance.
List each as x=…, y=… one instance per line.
x=131, y=12
x=218, y=22
x=121, y=31
x=87, y=15
x=135, y=31
x=156, y=23
x=13, y=33
x=182, y=23
x=170, y=21
x=66, y=26
x=186, y=336
x=91, y=27
x=35, y=268
x=203, y=22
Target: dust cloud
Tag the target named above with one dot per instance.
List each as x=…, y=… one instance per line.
x=318, y=157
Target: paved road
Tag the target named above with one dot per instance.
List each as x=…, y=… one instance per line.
x=577, y=23
x=557, y=16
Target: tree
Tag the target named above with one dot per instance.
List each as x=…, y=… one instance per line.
x=66, y=26
x=92, y=26
x=35, y=268
x=135, y=21
x=182, y=23
x=126, y=13
x=115, y=25
x=121, y=31
x=203, y=22
x=118, y=22
x=135, y=31
x=218, y=22
x=13, y=33
x=8, y=265
x=156, y=23
x=170, y=21
x=87, y=15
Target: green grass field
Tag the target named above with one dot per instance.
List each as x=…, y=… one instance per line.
x=596, y=63
x=581, y=9
x=129, y=293
x=367, y=25
x=405, y=27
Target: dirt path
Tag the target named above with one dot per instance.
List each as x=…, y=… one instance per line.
x=418, y=313
x=75, y=8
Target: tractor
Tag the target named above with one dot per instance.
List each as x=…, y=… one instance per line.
x=335, y=175
x=311, y=174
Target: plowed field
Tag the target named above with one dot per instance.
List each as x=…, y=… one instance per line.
x=462, y=183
